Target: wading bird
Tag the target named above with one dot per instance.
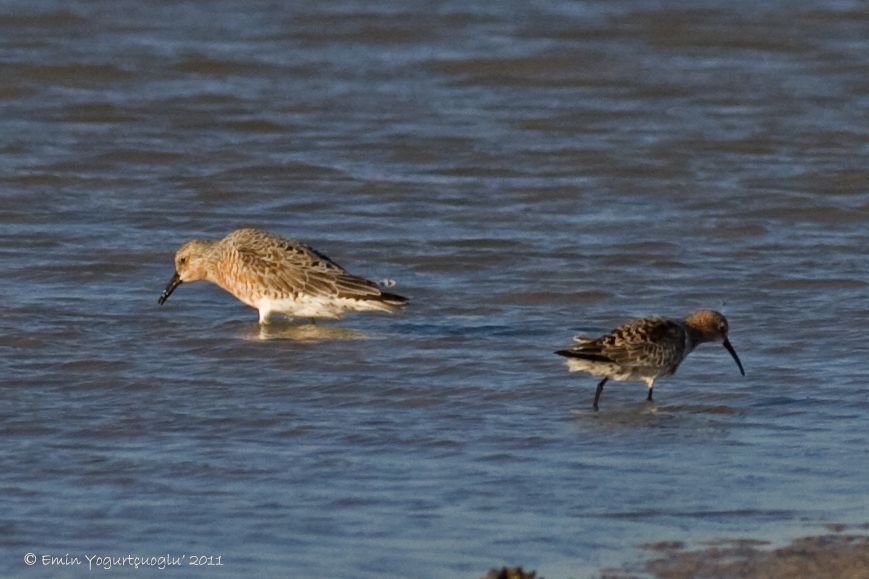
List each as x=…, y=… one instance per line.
x=646, y=349
x=278, y=275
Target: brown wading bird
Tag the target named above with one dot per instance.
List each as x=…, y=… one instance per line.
x=278, y=275
x=646, y=349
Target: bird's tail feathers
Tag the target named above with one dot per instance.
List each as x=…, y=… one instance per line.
x=390, y=302
x=591, y=354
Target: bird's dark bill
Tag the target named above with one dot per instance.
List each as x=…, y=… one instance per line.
x=730, y=349
x=170, y=287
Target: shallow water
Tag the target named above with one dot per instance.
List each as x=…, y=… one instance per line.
x=525, y=172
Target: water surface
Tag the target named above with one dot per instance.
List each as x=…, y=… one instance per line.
x=525, y=172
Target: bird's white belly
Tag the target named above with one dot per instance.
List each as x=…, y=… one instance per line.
x=311, y=306
x=613, y=371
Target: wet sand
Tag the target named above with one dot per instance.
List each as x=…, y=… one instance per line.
x=838, y=555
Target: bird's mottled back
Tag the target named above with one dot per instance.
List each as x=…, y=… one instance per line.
x=280, y=268
x=649, y=342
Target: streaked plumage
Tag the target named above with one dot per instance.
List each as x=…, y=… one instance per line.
x=278, y=275
x=646, y=349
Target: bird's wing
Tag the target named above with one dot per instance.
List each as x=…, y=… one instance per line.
x=650, y=342
x=293, y=268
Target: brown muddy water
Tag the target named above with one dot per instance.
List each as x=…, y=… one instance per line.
x=525, y=171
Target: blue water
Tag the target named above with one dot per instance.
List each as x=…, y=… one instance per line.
x=524, y=173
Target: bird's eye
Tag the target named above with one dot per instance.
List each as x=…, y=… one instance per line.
x=182, y=261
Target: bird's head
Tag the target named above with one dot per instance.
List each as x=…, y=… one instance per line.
x=191, y=264
x=711, y=326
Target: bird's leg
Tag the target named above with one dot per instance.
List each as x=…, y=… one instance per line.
x=651, y=384
x=264, y=316
x=598, y=391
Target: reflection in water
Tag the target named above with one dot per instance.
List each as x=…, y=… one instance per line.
x=286, y=330
x=629, y=413
x=693, y=419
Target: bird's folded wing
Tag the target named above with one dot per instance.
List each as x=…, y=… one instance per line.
x=650, y=342
x=294, y=269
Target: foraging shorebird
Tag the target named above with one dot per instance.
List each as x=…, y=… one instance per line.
x=277, y=275
x=646, y=349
